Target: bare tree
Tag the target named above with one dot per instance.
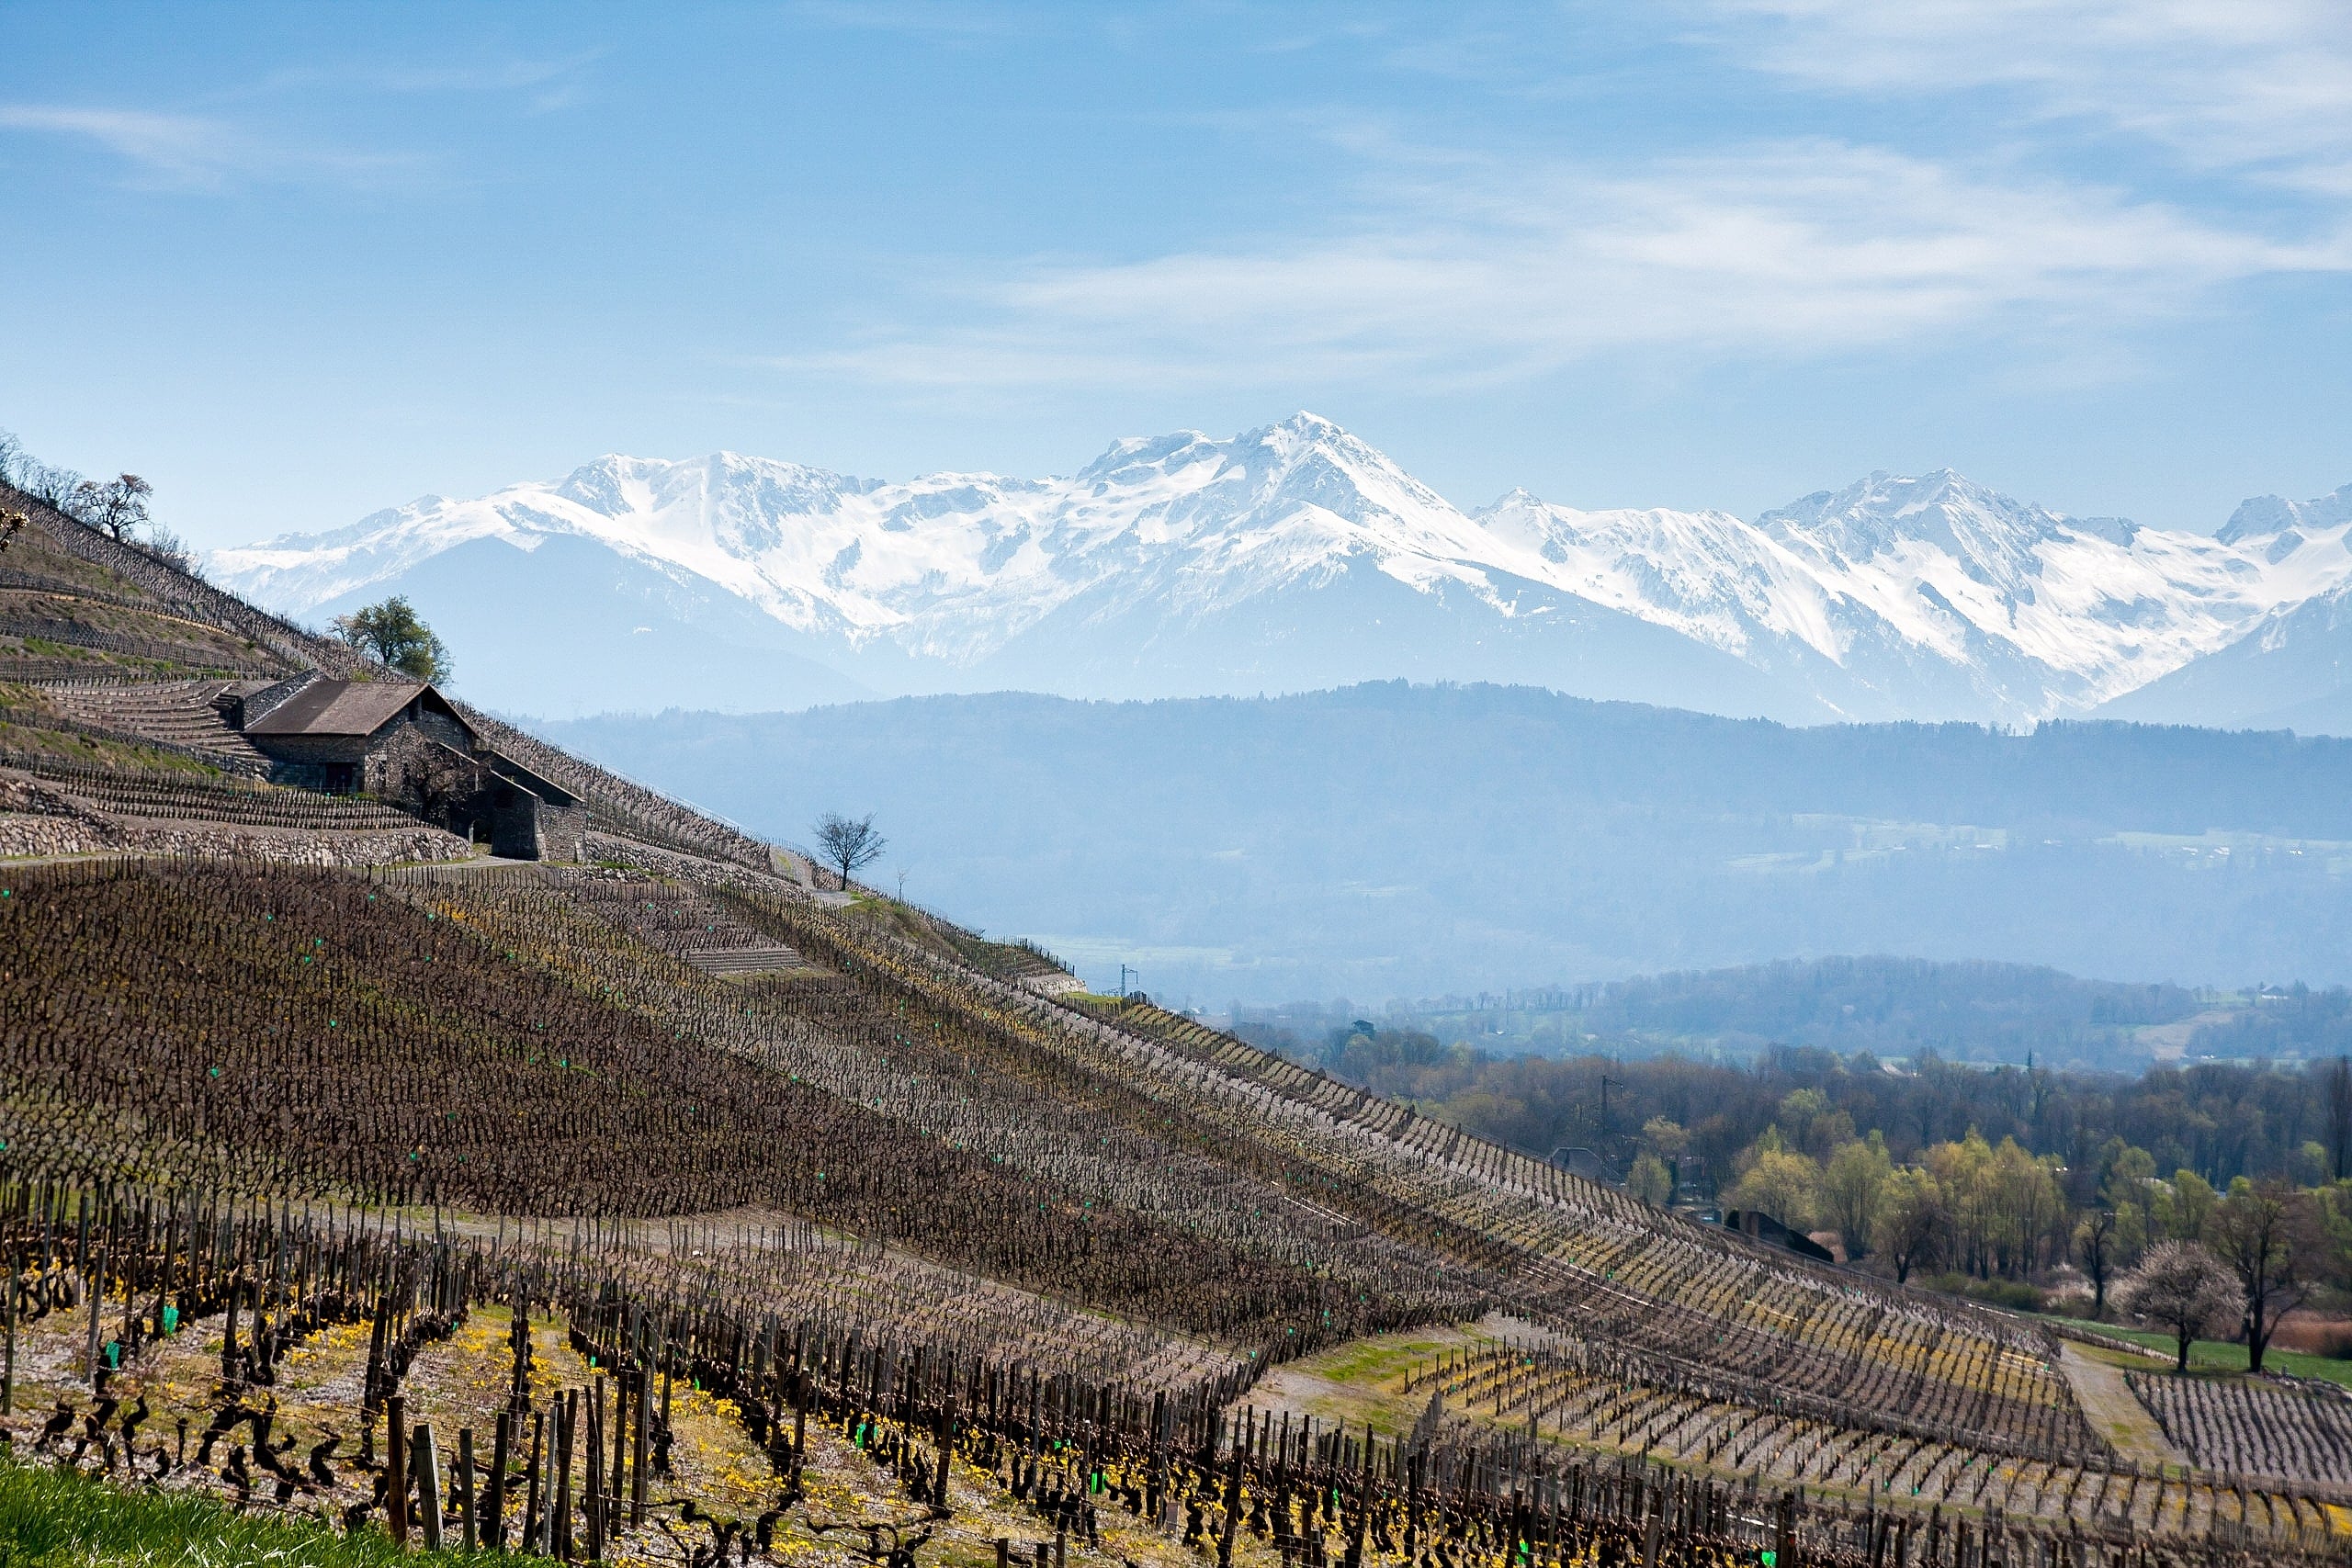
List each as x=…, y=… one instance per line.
x=52, y=486
x=440, y=785
x=2180, y=1287
x=849, y=844
x=2095, y=1245
x=2268, y=1236
x=167, y=547
x=12, y=456
x=117, y=506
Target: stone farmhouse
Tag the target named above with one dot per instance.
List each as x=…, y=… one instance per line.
x=402, y=742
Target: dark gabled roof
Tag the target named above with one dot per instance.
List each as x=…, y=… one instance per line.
x=345, y=707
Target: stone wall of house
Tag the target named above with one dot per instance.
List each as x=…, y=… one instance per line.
x=564, y=832
x=309, y=762
x=392, y=749
x=407, y=754
x=513, y=823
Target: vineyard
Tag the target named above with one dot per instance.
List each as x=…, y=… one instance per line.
x=879, y=1148
x=2242, y=1429
x=654, y=1207
x=588, y=1393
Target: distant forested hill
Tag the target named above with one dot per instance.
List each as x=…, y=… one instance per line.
x=1975, y=1011
x=1390, y=839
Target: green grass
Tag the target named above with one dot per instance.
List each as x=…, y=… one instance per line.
x=2221, y=1356
x=71, y=747
x=50, y=1518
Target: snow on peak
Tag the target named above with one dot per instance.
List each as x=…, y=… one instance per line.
x=1931, y=596
x=1942, y=511
x=2264, y=515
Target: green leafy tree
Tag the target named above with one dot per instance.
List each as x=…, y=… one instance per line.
x=1813, y=1124
x=1912, y=1221
x=1665, y=1136
x=1650, y=1180
x=1964, y=1172
x=392, y=634
x=2182, y=1212
x=2026, y=1207
x=1851, y=1184
x=1779, y=1182
x=1669, y=1140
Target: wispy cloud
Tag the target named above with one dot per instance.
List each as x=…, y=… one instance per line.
x=199, y=153
x=540, y=84
x=2252, y=84
x=1476, y=272
x=2018, y=217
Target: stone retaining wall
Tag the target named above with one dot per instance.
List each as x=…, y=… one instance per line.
x=35, y=820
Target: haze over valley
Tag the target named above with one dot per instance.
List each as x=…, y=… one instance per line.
x=1391, y=841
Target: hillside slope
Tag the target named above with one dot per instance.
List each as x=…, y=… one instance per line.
x=857, y=1217
x=114, y=663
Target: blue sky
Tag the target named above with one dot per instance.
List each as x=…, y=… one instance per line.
x=294, y=263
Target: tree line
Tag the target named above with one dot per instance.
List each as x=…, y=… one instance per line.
x=2232, y=1181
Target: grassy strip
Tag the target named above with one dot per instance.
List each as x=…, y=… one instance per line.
x=51, y=1517
x=71, y=747
x=2221, y=1356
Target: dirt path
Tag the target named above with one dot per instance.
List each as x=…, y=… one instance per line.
x=1359, y=1384
x=2114, y=1411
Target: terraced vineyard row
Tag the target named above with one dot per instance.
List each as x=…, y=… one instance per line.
x=57, y=551
x=1588, y=1394
x=1559, y=1249
x=588, y=1398
x=2246, y=1429
x=631, y=938
x=205, y=800
x=516, y=1050
x=195, y=654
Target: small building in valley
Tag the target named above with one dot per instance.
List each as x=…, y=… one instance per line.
x=404, y=742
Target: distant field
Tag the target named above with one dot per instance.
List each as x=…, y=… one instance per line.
x=2221, y=1356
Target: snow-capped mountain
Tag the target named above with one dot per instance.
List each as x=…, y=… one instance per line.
x=2292, y=669
x=1287, y=557
x=1924, y=598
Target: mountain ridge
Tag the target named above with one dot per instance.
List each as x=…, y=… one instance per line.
x=1182, y=563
